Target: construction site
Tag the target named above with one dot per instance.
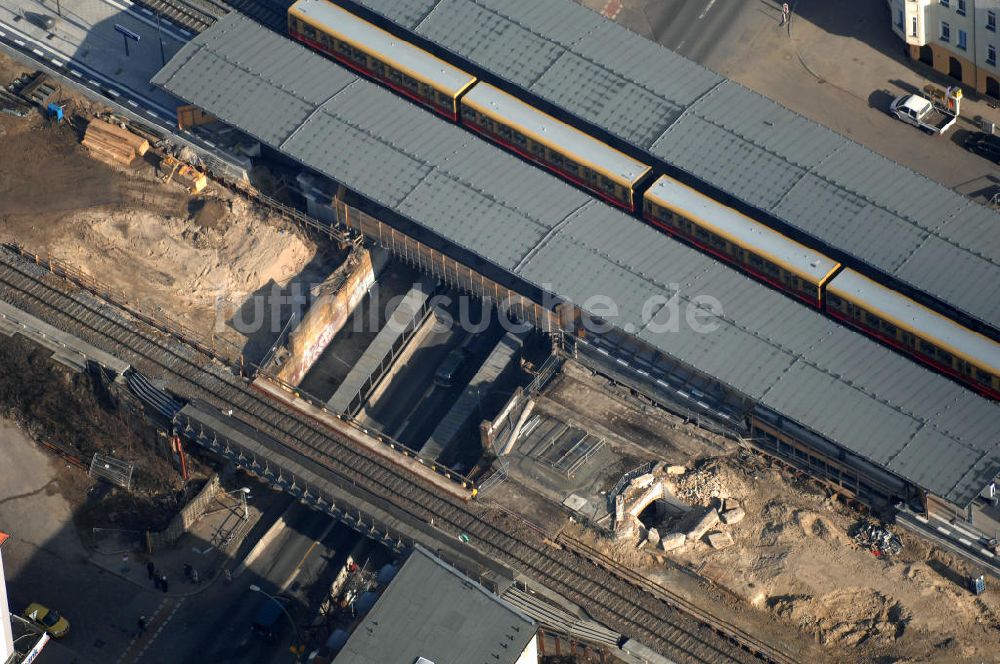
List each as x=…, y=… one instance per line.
x=392, y=363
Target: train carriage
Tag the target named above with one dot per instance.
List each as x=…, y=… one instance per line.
x=930, y=337
x=738, y=239
x=580, y=158
x=409, y=70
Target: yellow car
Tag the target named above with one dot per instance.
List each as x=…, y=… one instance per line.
x=47, y=619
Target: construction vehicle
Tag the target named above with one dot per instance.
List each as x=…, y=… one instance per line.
x=192, y=179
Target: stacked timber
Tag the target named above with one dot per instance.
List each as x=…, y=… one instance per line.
x=113, y=144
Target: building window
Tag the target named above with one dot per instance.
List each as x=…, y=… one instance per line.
x=899, y=19
x=991, y=55
x=991, y=21
x=961, y=39
x=945, y=3
x=914, y=26
x=945, y=32
x=961, y=8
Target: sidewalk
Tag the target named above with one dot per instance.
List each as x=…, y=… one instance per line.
x=204, y=547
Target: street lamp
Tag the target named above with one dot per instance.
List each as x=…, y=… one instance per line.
x=299, y=645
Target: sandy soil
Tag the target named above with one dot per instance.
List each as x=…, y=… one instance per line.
x=795, y=561
x=196, y=259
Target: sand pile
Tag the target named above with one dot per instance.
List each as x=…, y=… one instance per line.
x=848, y=617
x=187, y=267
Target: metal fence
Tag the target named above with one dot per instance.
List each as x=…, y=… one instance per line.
x=112, y=470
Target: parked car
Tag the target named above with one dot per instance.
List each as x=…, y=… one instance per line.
x=445, y=376
x=985, y=145
x=47, y=619
x=922, y=113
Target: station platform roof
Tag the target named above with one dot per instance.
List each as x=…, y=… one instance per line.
x=760, y=343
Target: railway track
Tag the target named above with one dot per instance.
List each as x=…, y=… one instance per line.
x=612, y=596
x=195, y=15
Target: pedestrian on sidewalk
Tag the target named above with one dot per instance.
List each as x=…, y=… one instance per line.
x=142, y=625
x=163, y=582
x=150, y=569
x=157, y=579
x=786, y=13
x=194, y=576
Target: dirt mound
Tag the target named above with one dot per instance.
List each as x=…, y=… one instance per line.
x=847, y=617
x=709, y=483
x=198, y=268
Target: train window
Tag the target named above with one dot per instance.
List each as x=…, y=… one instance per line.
x=871, y=319
x=908, y=339
x=308, y=31
x=944, y=356
x=983, y=376
x=756, y=260
x=519, y=139
x=771, y=268
x=927, y=348
x=889, y=328
x=701, y=233
x=505, y=132
x=718, y=241
x=834, y=301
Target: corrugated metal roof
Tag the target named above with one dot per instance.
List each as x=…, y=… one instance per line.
x=547, y=130
x=729, y=223
x=731, y=138
x=432, y=611
x=763, y=344
x=404, y=55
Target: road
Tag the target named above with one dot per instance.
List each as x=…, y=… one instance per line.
x=214, y=626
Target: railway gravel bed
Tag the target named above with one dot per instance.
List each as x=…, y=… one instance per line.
x=611, y=596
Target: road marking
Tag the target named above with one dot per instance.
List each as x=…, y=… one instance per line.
x=145, y=11
x=602, y=351
x=151, y=113
x=964, y=541
x=660, y=382
x=707, y=9
x=90, y=72
x=611, y=9
x=55, y=62
x=684, y=394
x=944, y=530
x=621, y=361
x=38, y=53
x=114, y=93
x=76, y=73
x=312, y=547
x=920, y=518
x=93, y=82
x=133, y=104
x=965, y=532
x=986, y=552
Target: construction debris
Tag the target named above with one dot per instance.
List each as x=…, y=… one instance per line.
x=732, y=516
x=676, y=470
x=653, y=537
x=720, y=540
x=113, y=144
x=708, y=521
x=673, y=541
x=878, y=539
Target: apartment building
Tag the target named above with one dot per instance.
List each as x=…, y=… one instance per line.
x=956, y=37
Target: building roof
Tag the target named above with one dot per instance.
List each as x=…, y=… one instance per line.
x=432, y=610
x=405, y=56
x=739, y=142
x=545, y=129
x=729, y=223
x=870, y=400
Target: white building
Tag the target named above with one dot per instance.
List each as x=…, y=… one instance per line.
x=6, y=629
x=955, y=37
